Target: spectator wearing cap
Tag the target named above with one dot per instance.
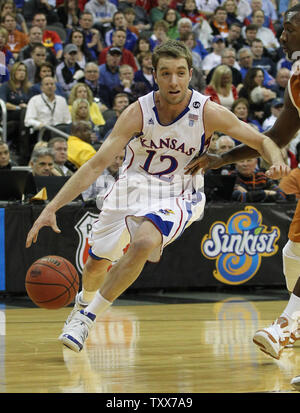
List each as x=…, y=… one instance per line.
x=218, y=23
x=276, y=108
x=109, y=71
x=118, y=41
x=69, y=72
x=214, y=58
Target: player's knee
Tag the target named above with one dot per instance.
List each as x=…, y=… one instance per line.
x=143, y=246
x=291, y=264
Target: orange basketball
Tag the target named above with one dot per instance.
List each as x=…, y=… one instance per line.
x=52, y=282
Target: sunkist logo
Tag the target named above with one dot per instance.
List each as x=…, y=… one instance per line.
x=239, y=245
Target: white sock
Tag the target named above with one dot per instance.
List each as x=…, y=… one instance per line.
x=292, y=310
x=98, y=305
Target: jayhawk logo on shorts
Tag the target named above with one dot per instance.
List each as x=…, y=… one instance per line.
x=166, y=211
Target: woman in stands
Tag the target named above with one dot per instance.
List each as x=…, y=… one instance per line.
x=221, y=88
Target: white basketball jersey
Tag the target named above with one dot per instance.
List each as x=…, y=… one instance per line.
x=163, y=151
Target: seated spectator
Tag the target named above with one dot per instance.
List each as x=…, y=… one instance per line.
x=118, y=41
x=234, y=39
x=214, y=58
x=68, y=14
x=100, y=91
x=223, y=144
x=142, y=45
x=183, y=33
x=80, y=149
x=145, y=74
x=120, y=102
x=5, y=160
x=213, y=142
x=69, y=72
x=196, y=46
x=38, y=56
x=9, y=58
x=252, y=185
x=261, y=100
x=160, y=34
x=249, y=34
x=35, y=36
x=47, y=108
x=16, y=94
x=128, y=85
x=245, y=60
x=172, y=17
x=119, y=22
x=189, y=39
x=265, y=34
x=93, y=38
x=276, y=108
x=259, y=5
x=96, y=192
x=290, y=184
x=253, y=78
x=129, y=14
x=16, y=39
x=219, y=22
x=82, y=91
x=140, y=20
x=80, y=111
x=220, y=89
x=84, y=55
x=9, y=6
x=50, y=38
x=59, y=147
x=42, y=162
x=232, y=12
x=228, y=58
x=102, y=11
x=264, y=62
x=157, y=13
x=240, y=108
x=191, y=11
x=44, y=70
x=281, y=82
x=109, y=71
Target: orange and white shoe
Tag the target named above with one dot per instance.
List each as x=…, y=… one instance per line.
x=273, y=339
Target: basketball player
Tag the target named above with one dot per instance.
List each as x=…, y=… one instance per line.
x=284, y=330
x=152, y=202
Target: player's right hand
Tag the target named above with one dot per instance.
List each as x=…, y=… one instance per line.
x=46, y=219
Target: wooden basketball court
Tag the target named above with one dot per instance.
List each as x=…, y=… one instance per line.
x=154, y=348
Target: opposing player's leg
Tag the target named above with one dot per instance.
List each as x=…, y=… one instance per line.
x=285, y=330
x=94, y=272
x=117, y=280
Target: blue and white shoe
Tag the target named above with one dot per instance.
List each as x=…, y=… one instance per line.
x=79, y=305
x=77, y=330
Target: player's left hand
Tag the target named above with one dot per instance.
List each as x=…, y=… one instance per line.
x=278, y=171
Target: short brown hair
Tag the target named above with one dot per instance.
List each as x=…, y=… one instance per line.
x=172, y=48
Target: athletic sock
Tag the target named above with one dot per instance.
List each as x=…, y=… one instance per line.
x=98, y=305
x=292, y=310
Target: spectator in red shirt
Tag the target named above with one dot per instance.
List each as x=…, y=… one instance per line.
x=50, y=38
x=118, y=40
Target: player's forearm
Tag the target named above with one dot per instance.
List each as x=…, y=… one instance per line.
x=271, y=152
x=238, y=153
x=78, y=183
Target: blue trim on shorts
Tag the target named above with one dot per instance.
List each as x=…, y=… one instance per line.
x=92, y=255
x=163, y=225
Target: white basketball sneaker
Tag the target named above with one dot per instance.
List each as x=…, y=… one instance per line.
x=79, y=305
x=295, y=382
x=273, y=339
x=77, y=330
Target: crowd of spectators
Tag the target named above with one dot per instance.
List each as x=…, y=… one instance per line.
x=77, y=64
